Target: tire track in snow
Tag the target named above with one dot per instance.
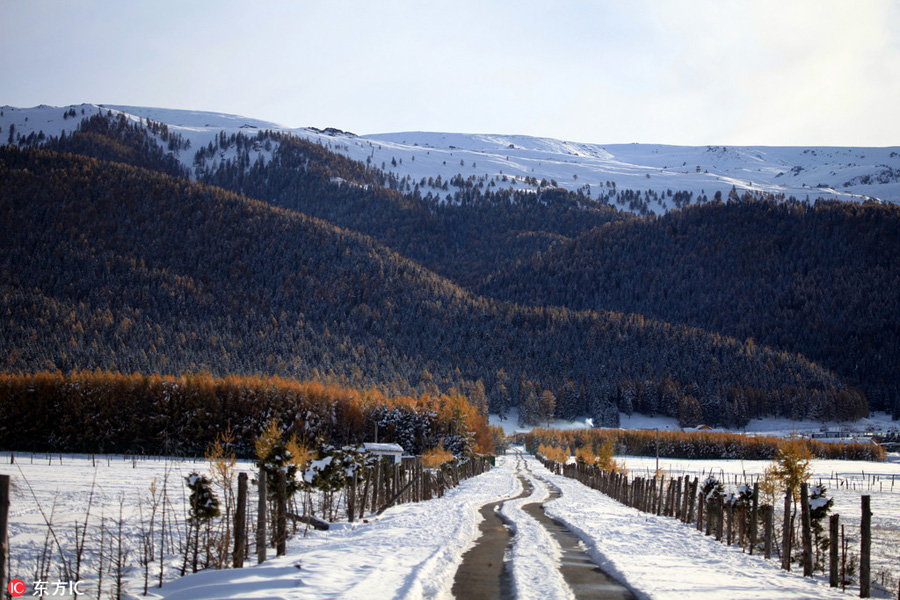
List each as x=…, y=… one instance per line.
x=524, y=554
x=586, y=580
x=483, y=575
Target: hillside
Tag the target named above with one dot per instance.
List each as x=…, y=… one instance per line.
x=817, y=280
x=652, y=172
x=483, y=229
x=481, y=232
x=112, y=267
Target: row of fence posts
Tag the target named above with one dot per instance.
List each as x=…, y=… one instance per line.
x=373, y=490
x=681, y=499
x=377, y=488
x=4, y=532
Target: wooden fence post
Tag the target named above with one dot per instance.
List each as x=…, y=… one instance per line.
x=240, y=523
x=4, y=531
x=806, y=532
x=660, y=503
x=376, y=484
x=676, y=500
x=420, y=476
x=261, y=518
x=281, y=515
x=700, y=503
x=865, y=551
x=770, y=526
x=694, y=485
x=729, y=524
x=365, y=495
x=401, y=480
x=720, y=518
x=786, y=539
x=754, y=516
x=351, y=498
x=834, y=531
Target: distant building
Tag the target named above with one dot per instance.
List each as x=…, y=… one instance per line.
x=394, y=451
x=843, y=437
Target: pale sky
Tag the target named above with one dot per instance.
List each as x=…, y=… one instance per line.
x=755, y=72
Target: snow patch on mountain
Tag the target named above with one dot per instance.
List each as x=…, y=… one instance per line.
x=521, y=162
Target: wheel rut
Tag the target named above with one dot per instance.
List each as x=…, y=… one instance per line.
x=586, y=580
x=483, y=574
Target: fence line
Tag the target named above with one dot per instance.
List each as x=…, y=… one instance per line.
x=4, y=531
x=157, y=543
x=736, y=520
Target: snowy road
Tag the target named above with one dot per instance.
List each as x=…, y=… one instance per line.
x=413, y=551
x=501, y=565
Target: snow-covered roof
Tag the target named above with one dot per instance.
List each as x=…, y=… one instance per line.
x=383, y=448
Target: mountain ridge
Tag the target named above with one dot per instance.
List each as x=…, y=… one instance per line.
x=511, y=161
x=476, y=235
x=112, y=267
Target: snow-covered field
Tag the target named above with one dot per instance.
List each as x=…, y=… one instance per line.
x=508, y=160
x=60, y=488
x=774, y=426
x=845, y=481
x=412, y=551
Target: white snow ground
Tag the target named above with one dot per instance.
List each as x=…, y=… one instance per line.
x=412, y=551
x=661, y=558
x=507, y=160
x=775, y=426
x=534, y=556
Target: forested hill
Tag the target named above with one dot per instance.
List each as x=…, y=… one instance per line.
x=109, y=266
x=816, y=279
x=819, y=280
x=465, y=230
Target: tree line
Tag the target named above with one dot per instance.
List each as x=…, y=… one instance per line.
x=103, y=411
x=691, y=444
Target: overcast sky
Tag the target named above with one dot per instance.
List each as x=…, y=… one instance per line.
x=719, y=72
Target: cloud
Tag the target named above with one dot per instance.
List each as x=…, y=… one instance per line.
x=690, y=72
x=801, y=72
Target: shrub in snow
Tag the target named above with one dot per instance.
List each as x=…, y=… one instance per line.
x=819, y=507
x=204, y=508
x=743, y=496
x=712, y=488
x=204, y=504
x=332, y=471
x=274, y=454
x=585, y=456
x=553, y=453
x=434, y=458
x=790, y=467
x=605, y=460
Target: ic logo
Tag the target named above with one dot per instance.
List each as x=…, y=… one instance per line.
x=16, y=588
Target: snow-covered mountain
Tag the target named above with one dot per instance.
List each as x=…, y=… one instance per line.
x=523, y=162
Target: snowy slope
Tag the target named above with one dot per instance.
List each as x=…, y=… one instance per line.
x=509, y=160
